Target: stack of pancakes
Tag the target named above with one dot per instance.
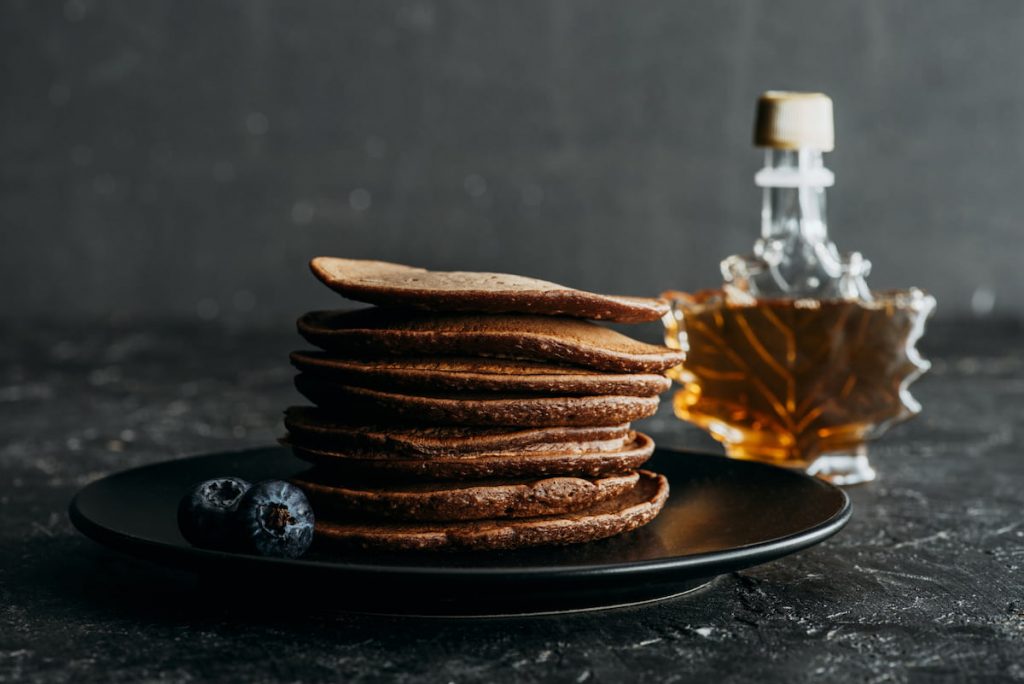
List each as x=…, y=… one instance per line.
x=474, y=410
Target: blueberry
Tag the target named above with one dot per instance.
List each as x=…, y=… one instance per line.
x=275, y=519
x=206, y=515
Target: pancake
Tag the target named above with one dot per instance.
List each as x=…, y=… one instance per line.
x=324, y=429
x=477, y=409
x=459, y=374
x=381, y=282
x=522, y=498
x=372, y=332
x=479, y=466
x=623, y=513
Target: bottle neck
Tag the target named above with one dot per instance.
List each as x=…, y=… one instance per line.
x=794, y=257
x=793, y=204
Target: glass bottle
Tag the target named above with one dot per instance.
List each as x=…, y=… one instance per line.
x=794, y=360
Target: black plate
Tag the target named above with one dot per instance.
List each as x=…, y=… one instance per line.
x=722, y=515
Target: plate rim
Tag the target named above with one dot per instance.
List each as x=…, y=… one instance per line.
x=740, y=556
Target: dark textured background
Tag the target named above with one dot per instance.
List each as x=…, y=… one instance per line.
x=186, y=158
x=183, y=160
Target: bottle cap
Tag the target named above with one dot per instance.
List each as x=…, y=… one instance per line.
x=790, y=121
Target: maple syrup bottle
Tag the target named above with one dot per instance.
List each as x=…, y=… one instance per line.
x=794, y=360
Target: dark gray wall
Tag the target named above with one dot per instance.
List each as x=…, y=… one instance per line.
x=188, y=157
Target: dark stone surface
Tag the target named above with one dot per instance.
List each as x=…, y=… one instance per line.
x=167, y=155
x=923, y=585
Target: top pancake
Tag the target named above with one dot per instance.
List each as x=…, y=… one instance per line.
x=388, y=284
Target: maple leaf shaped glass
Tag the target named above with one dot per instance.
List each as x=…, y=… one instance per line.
x=795, y=361
x=798, y=383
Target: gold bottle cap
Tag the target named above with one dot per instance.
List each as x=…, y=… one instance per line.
x=790, y=121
